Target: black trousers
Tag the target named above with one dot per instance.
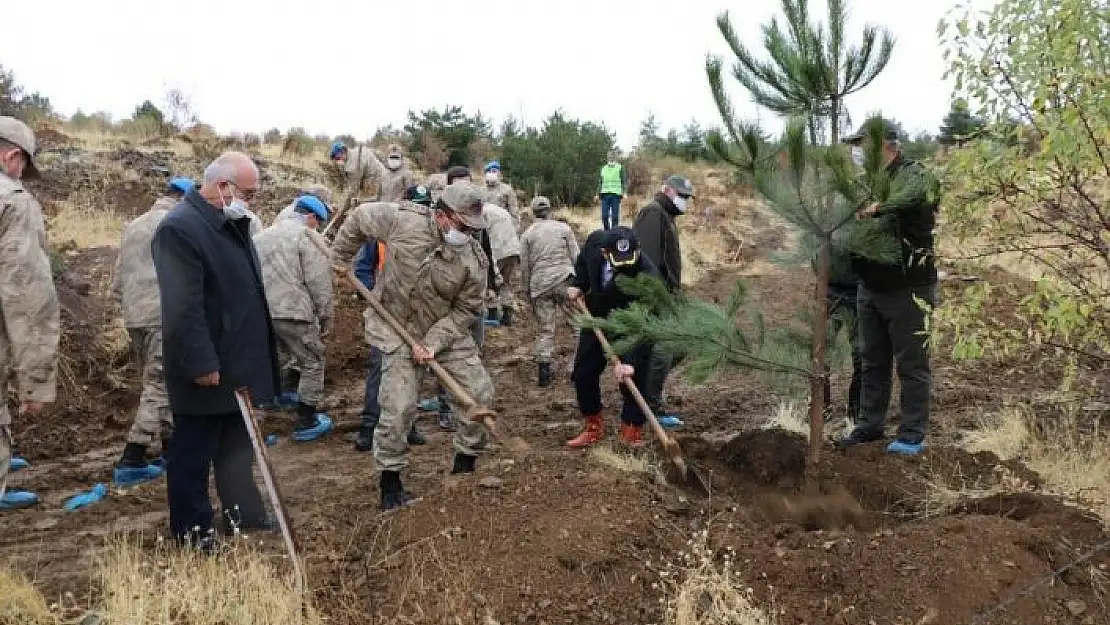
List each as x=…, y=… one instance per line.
x=200, y=444
x=891, y=326
x=842, y=311
x=590, y=363
x=371, y=409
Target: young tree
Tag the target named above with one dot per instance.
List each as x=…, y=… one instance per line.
x=179, y=110
x=812, y=68
x=1034, y=184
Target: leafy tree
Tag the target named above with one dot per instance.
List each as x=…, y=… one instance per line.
x=11, y=92
x=1034, y=184
x=811, y=70
x=921, y=147
x=452, y=127
x=959, y=124
x=561, y=158
x=180, y=110
x=14, y=101
x=650, y=141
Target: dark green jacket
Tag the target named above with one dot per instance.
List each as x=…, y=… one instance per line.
x=658, y=235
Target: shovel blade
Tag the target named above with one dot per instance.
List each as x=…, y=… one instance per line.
x=685, y=475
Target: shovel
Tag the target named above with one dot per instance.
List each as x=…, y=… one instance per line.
x=474, y=412
x=243, y=396
x=683, y=474
x=332, y=228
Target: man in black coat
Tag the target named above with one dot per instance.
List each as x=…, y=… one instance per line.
x=658, y=235
x=218, y=337
x=606, y=255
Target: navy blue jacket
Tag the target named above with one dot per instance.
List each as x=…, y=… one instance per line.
x=366, y=262
x=214, y=312
x=589, y=268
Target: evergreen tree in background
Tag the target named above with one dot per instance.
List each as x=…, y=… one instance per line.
x=959, y=125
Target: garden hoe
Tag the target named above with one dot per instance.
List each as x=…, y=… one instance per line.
x=474, y=412
x=684, y=474
x=243, y=396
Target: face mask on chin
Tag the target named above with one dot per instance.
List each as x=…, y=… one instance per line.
x=492, y=177
x=393, y=162
x=235, y=209
x=679, y=203
x=857, y=155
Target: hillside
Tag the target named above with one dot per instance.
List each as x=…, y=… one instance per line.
x=549, y=535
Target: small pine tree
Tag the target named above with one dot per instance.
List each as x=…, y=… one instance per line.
x=959, y=125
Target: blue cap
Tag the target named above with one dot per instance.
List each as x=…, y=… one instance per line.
x=313, y=203
x=336, y=148
x=493, y=165
x=184, y=185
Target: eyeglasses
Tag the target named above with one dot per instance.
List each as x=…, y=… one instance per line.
x=248, y=194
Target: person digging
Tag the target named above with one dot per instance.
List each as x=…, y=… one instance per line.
x=607, y=255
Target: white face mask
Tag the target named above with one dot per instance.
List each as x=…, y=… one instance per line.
x=394, y=162
x=857, y=155
x=236, y=209
x=679, y=203
x=492, y=177
x=455, y=238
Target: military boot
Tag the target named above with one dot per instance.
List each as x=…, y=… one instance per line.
x=544, y=374
x=464, y=463
x=507, y=316
x=393, y=493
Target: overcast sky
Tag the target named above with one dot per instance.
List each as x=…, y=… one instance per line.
x=349, y=66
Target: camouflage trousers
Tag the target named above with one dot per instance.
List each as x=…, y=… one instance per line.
x=508, y=268
x=547, y=309
x=153, y=419
x=400, y=389
x=300, y=342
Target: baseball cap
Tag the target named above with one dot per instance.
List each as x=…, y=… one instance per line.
x=889, y=132
x=418, y=194
x=680, y=184
x=540, y=202
x=622, y=246
x=313, y=203
x=184, y=185
x=465, y=200
x=15, y=131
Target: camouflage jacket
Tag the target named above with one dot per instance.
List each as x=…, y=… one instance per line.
x=503, y=195
x=503, y=237
x=135, y=284
x=288, y=211
x=434, y=289
x=30, y=325
x=357, y=168
x=548, y=250
x=391, y=182
x=296, y=272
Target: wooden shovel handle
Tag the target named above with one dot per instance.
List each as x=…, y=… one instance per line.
x=449, y=382
x=660, y=433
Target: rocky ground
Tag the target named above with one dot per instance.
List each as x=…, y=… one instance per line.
x=550, y=535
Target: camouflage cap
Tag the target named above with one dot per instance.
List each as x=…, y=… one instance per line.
x=680, y=184
x=889, y=130
x=541, y=203
x=320, y=191
x=465, y=200
x=15, y=131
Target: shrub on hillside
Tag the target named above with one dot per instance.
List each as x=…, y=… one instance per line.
x=561, y=159
x=639, y=175
x=272, y=136
x=451, y=128
x=297, y=143
x=433, y=155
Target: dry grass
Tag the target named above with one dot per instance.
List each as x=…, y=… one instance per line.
x=1072, y=459
x=85, y=225
x=21, y=604
x=641, y=461
x=699, y=590
x=790, y=417
x=171, y=585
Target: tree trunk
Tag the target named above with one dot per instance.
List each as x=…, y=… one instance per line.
x=835, y=113
x=817, y=378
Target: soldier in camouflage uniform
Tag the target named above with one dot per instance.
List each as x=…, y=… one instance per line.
x=135, y=289
x=393, y=177
x=501, y=193
x=548, y=251
x=29, y=333
x=505, y=246
x=296, y=272
x=319, y=191
x=433, y=281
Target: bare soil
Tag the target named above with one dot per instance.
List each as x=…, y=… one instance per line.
x=559, y=537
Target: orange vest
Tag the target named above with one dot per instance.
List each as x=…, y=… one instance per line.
x=381, y=259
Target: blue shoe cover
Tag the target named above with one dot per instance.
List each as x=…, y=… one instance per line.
x=16, y=499
x=322, y=427
x=87, y=498
x=18, y=464
x=904, y=448
x=271, y=440
x=123, y=477
x=159, y=462
x=429, y=405
x=492, y=323
x=669, y=422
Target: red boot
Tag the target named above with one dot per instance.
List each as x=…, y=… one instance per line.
x=632, y=435
x=592, y=433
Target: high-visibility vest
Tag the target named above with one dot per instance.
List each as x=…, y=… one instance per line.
x=611, y=179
